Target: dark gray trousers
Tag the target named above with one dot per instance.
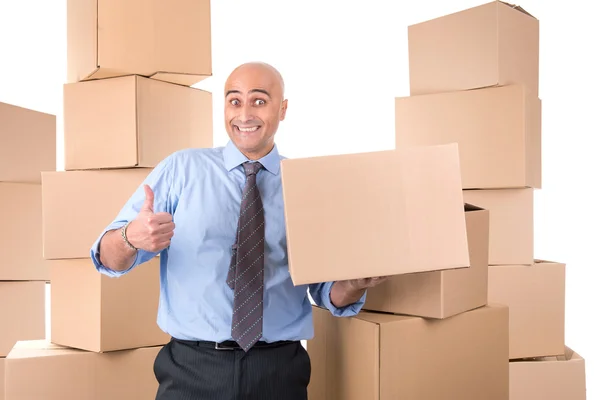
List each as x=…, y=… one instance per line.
x=197, y=371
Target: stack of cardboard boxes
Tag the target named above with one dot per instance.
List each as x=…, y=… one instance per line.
x=128, y=104
x=398, y=213
x=490, y=326
x=474, y=79
x=27, y=147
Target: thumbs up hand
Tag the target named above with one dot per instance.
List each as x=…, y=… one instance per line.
x=150, y=231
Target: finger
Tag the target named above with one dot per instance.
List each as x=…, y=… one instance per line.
x=165, y=228
x=162, y=218
x=149, y=201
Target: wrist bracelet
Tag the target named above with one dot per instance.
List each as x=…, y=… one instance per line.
x=124, y=236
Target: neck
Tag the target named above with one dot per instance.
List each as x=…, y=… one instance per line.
x=257, y=155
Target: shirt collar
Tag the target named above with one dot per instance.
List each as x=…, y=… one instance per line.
x=233, y=158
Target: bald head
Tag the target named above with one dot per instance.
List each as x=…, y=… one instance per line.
x=254, y=106
x=258, y=70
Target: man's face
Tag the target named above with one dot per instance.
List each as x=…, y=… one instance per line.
x=253, y=108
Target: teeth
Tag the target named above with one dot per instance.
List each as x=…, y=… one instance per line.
x=248, y=129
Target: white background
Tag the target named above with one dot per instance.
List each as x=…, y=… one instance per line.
x=344, y=62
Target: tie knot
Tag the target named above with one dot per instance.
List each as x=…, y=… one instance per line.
x=252, y=168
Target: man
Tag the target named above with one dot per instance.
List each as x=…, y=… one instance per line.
x=216, y=218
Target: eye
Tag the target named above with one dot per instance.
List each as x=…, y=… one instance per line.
x=234, y=102
x=259, y=102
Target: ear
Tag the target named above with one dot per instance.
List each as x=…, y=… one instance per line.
x=283, y=110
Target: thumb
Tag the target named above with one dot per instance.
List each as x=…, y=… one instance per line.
x=149, y=202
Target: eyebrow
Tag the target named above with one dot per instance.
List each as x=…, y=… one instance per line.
x=251, y=91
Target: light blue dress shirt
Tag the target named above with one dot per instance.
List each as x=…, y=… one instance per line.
x=201, y=189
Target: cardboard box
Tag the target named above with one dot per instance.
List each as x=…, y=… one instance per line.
x=42, y=370
x=535, y=296
x=21, y=256
x=22, y=313
x=492, y=44
x=132, y=122
x=498, y=131
x=440, y=294
x=548, y=378
x=28, y=147
x=169, y=41
x=2, y=369
x=377, y=356
x=374, y=214
x=76, y=207
x=511, y=223
x=94, y=312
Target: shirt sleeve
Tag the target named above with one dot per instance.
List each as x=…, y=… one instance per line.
x=320, y=292
x=160, y=181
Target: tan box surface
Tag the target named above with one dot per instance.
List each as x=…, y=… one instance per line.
x=2, y=369
x=377, y=356
x=28, y=139
x=491, y=44
x=42, y=370
x=535, y=295
x=132, y=122
x=440, y=294
x=373, y=214
x=498, y=131
x=22, y=313
x=549, y=378
x=21, y=255
x=511, y=223
x=169, y=41
x=94, y=312
x=76, y=207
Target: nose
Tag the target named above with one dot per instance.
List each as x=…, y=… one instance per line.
x=246, y=113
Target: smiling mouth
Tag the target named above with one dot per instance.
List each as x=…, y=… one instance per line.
x=247, y=130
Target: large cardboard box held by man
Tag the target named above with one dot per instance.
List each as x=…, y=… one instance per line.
x=535, y=296
x=27, y=144
x=511, y=223
x=374, y=214
x=493, y=44
x=21, y=254
x=94, y=312
x=165, y=40
x=78, y=205
x=498, y=131
x=440, y=294
x=22, y=313
x=43, y=370
x=548, y=378
x=379, y=356
x=132, y=122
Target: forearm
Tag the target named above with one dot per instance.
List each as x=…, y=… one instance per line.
x=114, y=252
x=343, y=294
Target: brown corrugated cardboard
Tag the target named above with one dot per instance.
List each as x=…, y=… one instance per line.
x=440, y=294
x=377, y=356
x=22, y=313
x=28, y=147
x=21, y=256
x=94, y=312
x=535, y=295
x=511, y=223
x=491, y=44
x=42, y=370
x=132, y=122
x=76, y=207
x=372, y=214
x=2, y=369
x=498, y=131
x=170, y=41
x=548, y=378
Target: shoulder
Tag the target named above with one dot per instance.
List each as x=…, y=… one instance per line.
x=195, y=157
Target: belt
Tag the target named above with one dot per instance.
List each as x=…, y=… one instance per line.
x=232, y=345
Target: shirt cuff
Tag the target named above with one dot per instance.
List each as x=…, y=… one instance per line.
x=347, y=311
x=95, y=254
